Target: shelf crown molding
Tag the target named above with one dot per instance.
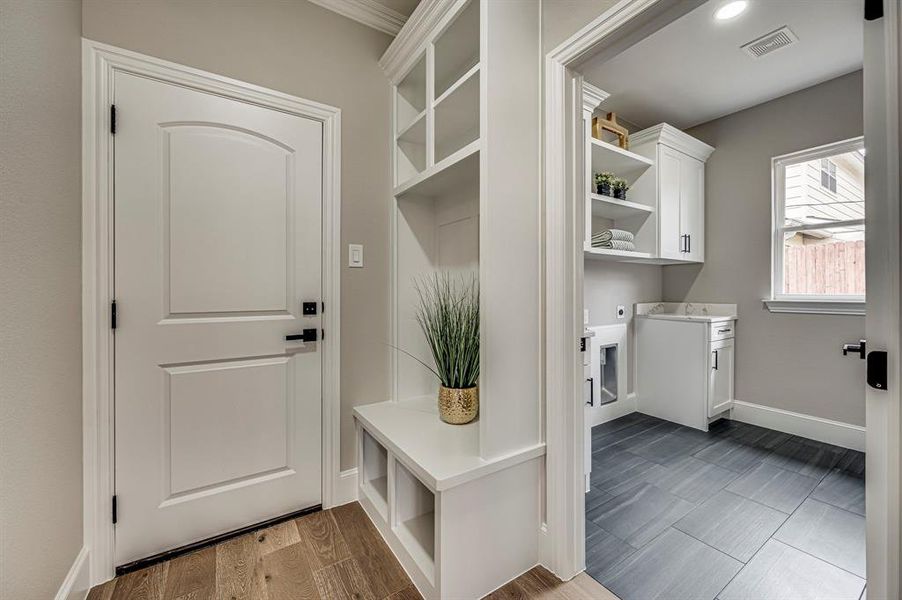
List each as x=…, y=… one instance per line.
x=369, y=12
x=673, y=137
x=593, y=97
x=407, y=47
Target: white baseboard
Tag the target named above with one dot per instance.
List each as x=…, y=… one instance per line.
x=77, y=582
x=345, y=488
x=815, y=428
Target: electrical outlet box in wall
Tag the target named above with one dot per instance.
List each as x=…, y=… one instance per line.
x=621, y=311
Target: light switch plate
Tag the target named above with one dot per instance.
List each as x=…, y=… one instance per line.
x=355, y=255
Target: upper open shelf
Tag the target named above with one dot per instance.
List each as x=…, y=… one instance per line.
x=455, y=171
x=457, y=49
x=622, y=163
x=606, y=207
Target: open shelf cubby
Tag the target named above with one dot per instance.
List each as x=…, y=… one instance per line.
x=457, y=115
x=457, y=48
x=414, y=519
x=411, y=96
x=374, y=473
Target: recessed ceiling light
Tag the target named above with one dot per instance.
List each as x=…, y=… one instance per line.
x=731, y=10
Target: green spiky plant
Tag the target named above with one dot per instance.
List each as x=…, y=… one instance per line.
x=448, y=314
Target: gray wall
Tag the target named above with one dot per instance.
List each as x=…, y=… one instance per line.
x=307, y=51
x=609, y=284
x=785, y=361
x=40, y=295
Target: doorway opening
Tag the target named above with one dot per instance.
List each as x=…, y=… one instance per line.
x=721, y=204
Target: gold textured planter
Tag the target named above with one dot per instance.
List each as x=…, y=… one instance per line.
x=458, y=406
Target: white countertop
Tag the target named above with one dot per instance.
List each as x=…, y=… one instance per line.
x=701, y=312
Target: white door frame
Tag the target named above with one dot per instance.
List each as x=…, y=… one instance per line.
x=99, y=63
x=564, y=545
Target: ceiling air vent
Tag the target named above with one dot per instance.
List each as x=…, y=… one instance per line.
x=772, y=41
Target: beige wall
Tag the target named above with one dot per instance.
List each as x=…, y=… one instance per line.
x=304, y=50
x=791, y=362
x=563, y=18
x=40, y=296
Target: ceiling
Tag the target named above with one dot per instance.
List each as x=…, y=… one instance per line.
x=693, y=70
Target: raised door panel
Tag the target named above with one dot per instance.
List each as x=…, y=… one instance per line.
x=720, y=377
x=669, y=189
x=692, y=208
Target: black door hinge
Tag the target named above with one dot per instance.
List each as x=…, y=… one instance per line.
x=113, y=315
x=115, y=510
x=113, y=119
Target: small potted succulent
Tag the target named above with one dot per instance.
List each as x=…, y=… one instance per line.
x=619, y=186
x=603, y=183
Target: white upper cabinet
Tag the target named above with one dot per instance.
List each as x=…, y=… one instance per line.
x=665, y=206
x=676, y=186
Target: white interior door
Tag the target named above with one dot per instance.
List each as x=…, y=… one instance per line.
x=882, y=219
x=217, y=242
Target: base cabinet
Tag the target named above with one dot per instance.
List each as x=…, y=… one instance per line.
x=685, y=369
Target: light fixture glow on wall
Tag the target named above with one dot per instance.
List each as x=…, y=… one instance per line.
x=731, y=10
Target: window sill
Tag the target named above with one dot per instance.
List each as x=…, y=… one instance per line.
x=817, y=307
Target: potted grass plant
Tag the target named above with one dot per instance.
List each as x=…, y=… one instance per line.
x=620, y=186
x=448, y=314
x=603, y=183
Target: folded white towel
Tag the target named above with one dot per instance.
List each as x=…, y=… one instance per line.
x=615, y=245
x=613, y=235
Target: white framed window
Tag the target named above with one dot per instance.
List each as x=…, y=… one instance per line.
x=818, y=230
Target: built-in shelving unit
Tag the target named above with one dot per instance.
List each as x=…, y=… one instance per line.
x=664, y=206
x=466, y=200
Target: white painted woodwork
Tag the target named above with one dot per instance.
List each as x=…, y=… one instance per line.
x=883, y=256
x=665, y=205
x=676, y=356
x=721, y=373
x=466, y=201
x=465, y=538
x=218, y=240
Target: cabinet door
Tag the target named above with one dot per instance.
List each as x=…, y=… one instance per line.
x=669, y=191
x=692, y=208
x=720, y=377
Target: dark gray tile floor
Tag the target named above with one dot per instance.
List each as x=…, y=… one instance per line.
x=740, y=512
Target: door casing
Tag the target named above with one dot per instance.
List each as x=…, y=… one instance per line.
x=99, y=63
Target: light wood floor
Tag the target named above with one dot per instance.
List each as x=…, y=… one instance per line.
x=333, y=554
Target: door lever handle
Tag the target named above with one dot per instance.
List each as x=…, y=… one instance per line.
x=308, y=335
x=860, y=349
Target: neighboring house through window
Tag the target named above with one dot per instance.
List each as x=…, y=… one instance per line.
x=828, y=174
x=818, y=230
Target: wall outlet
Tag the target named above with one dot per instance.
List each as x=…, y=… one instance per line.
x=355, y=255
x=621, y=311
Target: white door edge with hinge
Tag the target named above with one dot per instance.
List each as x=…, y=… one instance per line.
x=563, y=545
x=99, y=63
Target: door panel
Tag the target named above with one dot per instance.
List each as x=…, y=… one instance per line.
x=669, y=174
x=720, y=373
x=218, y=241
x=692, y=208
x=228, y=219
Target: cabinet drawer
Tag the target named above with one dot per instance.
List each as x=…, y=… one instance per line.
x=722, y=331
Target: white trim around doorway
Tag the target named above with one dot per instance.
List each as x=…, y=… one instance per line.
x=99, y=63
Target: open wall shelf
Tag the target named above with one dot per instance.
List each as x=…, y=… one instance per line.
x=612, y=209
x=622, y=163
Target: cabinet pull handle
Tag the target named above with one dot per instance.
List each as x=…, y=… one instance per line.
x=688, y=243
x=715, y=360
x=724, y=330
